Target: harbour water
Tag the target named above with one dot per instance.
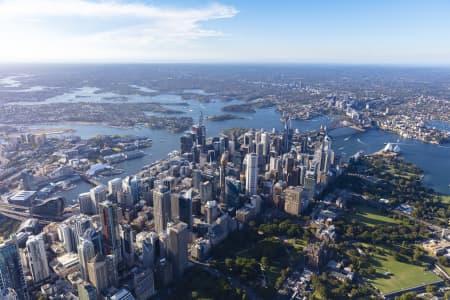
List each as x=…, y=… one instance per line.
x=433, y=159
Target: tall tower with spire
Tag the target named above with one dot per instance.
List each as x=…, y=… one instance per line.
x=201, y=132
x=223, y=164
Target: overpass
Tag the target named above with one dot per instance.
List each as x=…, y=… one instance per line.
x=21, y=213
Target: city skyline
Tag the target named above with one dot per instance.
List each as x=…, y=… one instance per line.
x=349, y=32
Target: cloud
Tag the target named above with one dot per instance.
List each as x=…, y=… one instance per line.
x=81, y=30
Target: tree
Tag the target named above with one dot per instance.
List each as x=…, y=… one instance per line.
x=431, y=289
x=407, y=296
x=417, y=254
x=447, y=296
x=264, y=262
x=229, y=263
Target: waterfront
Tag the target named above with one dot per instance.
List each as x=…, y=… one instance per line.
x=433, y=159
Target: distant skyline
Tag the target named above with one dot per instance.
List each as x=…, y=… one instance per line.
x=320, y=31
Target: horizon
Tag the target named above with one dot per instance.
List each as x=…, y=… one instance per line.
x=233, y=63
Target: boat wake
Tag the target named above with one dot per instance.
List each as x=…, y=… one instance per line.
x=361, y=142
x=347, y=138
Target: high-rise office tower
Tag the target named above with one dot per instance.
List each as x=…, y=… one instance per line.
x=232, y=191
x=79, y=224
x=186, y=142
x=161, y=208
x=86, y=251
x=127, y=234
x=265, y=140
x=37, y=258
x=114, y=187
x=86, y=291
x=87, y=205
x=251, y=173
x=182, y=207
x=196, y=179
x=148, y=253
x=177, y=248
x=223, y=164
x=130, y=189
x=201, y=133
x=98, y=194
x=143, y=283
x=96, y=237
x=293, y=201
x=206, y=191
x=66, y=236
x=98, y=273
x=110, y=228
x=72, y=229
x=11, y=270
x=112, y=269
x=211, y=211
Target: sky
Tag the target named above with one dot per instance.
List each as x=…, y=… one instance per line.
x=247, y=31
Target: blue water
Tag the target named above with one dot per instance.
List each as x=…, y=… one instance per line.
x=441, y=125
x=433, y=159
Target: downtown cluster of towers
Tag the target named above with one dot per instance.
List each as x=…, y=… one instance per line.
x=135, y=235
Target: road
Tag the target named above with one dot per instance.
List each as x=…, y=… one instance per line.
x=433, y=227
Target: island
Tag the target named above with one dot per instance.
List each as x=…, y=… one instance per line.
x=223, y=117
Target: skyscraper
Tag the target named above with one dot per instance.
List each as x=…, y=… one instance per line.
x=143, y=283
x=232, y=191
x=201, y=132
x=293, y=202
x=184, y=209
x=251, y=173
x=98, y=194
x=127, y=235
x=110, y=228
x=211, y=211
x=130, y=189
x=98, y=273
x=161, y=208
x=66, y=236
x=186, y=143
x=37, y=258
x=265, y=140
x=206, y=191
x=86, y=252
x=86, y=291
x=114, y=186
x=223, y=164
x=177, y=248
x=148, y=253
x=87, y=205
x=11, y=270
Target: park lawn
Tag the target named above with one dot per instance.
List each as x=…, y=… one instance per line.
x=400, y=173
x=298, y=244
x=445, y=199
x=403, y=275
x=371, y=216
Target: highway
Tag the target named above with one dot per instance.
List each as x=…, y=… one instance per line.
x=22, y=213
